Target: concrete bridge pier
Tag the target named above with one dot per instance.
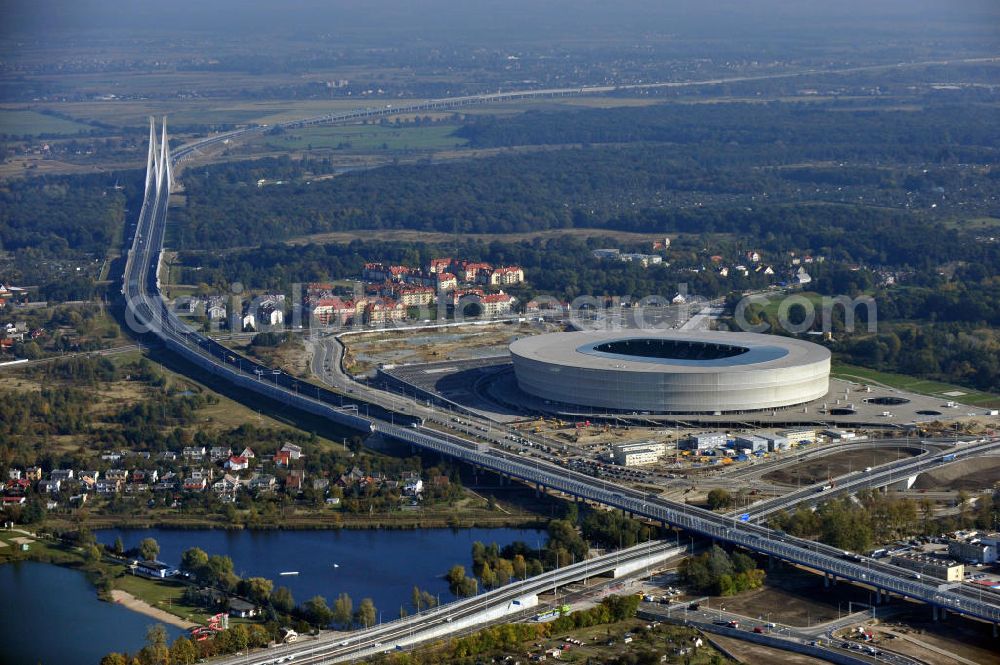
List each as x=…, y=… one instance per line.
x=826, y=580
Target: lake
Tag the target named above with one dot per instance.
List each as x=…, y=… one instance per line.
x=381, y=564
x=51, y=615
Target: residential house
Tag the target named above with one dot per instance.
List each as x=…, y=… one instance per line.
x=15, y=474
x=381, y=311
x=249, y=321
x=120, y=475
x=62, y=475
x=331, y=311
x=242, y=609
x=440, y=265
x=49, y=486
x=217, y=453
x=378, y=272
x=294, y=451
x=445, y=282
x=470, y=271
x=193, y=452
x=227, y=485
x=295, y=482
x=145, y=476
x=33, y=473
x=503, y=275
x=166, y=485
x=321, y=484
x=192, y=484
x=156, y=569
x=262, y=483
x=107, y=486
x=416, y=296
x=497, y=304
x=89, y=478
x=271, y=315
x=215, y=310
x=247, y=452
x=413, y=487
x=237, y=463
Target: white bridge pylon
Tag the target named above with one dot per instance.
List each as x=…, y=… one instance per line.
x=158, y=170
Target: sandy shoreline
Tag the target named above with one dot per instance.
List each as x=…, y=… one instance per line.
x=129, y=601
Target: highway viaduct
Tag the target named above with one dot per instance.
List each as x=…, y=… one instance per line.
x=147, y=312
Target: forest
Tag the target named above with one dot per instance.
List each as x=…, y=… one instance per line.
x=778, y=132
x=662, y=168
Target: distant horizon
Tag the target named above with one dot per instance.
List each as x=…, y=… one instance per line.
x=491, y=20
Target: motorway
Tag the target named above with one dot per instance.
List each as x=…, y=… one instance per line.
x=146, y=311
x=716, y=620
x=511, y=601
x=880, y=476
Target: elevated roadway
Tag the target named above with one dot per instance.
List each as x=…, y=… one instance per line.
x=147, y=312
x=900, y=471
x=513, y=601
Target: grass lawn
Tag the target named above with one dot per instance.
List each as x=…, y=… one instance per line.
x=163, y=594
x=915, y=385
x=774, y=302
x=24, y=122
x=369, y=138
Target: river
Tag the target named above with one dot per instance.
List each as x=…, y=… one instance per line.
x=51, y=615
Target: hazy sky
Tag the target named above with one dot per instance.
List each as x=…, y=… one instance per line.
x=466, y=19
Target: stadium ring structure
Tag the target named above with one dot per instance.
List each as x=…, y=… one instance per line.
x=671, y=372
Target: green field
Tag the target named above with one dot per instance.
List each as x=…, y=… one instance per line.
x=915, y=385
x=774, y=302
x=369, y=137
x=165, y=595
x=24, y=123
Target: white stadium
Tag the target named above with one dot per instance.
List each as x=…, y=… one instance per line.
x=671, y=372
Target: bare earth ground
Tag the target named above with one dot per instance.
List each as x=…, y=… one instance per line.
x=126, y=599
x=973, y=474
x=836, y=464
x=755, y=654
x=968, y=640
x=793, y=597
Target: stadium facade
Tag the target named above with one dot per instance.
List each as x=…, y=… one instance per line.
x=671, y=372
